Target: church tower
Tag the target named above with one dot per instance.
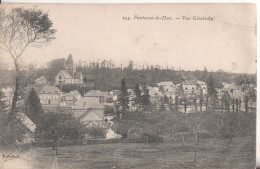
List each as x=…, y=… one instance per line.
x=70, y=66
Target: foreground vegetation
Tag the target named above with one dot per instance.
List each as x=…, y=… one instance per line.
x=211, y=152
x=168, y=155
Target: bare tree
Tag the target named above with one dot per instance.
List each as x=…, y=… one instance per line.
x=196, y=123
x=20, y=29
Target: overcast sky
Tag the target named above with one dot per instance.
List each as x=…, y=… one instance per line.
x=92, y=32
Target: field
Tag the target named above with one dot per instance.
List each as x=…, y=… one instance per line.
x=171, y=154
x=168, y=155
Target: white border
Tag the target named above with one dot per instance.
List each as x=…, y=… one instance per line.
x=257, y=2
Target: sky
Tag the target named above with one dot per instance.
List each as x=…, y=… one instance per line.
x=98, y=32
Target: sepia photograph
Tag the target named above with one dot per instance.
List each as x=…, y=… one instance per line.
x=128, y=86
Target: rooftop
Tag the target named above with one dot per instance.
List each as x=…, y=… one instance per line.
x=96, y=93
x=88, y=103
x=50, y=89
x=26, y=121
x=41, y=80
x=165, y=83
x=66, y=74
x=69, y=60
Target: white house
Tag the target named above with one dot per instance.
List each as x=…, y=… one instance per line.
x=89, y=111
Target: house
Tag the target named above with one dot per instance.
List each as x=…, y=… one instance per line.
x=89, y=111
x=191, y=88
x=69, y=75
x=50, y=98
x=68, y=99
x=98, y=95
x=41, y=81
x=169, y=89
x=164, y=85
x=156, y=96
x=203, y=86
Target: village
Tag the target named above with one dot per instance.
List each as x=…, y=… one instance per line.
x=98, y=108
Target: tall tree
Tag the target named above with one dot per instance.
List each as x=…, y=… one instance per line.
x=33, y=107
x=212, y=91
x=123, y=99
x=138, y=95
x=19, y=29
x=145, y=97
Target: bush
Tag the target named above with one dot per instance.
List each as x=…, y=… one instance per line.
x=55, y=125
x=96, y=131
x=109, y=110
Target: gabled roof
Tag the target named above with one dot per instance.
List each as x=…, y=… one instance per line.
x=26, y=121
x=88, y=103
x=154, y=91
x=189, y=82
x=41, y=80
x=68, y=95
x=201, y=82
x=66, y=74
x=165, y=83
x=96, y=93
x=99, y=115
x=50, y=89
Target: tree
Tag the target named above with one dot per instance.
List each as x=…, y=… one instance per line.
x=207, y=103
x=123, y=99
x=96, y=131
x=145, y=97
x=195, y=103
x=121, y=126
x=56, y=126
x=246, y=103
x=196, y=123
x=162, y=107
x=56, y=64
x=212, y=91
x=185, y=103
x=19, y=29
x=176, y=103
x=251, y=96
x=33, y=107
x=138, y=95
x=230, y=126
x=155, y=125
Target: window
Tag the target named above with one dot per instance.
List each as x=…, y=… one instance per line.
x=49, y=101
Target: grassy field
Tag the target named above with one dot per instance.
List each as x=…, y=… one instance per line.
x=168, y=155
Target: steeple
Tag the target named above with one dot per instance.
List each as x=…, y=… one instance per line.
x=70, y=66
